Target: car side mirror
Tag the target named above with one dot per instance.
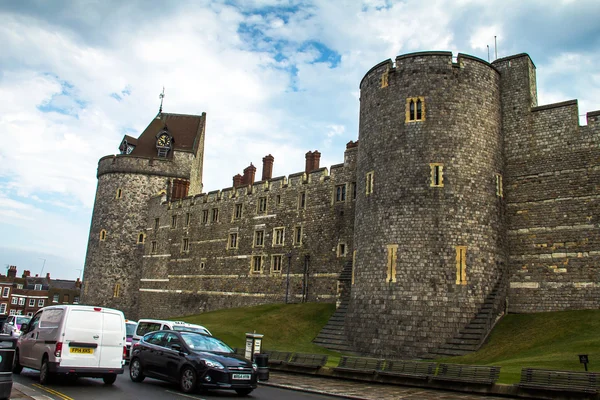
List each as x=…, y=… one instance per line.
x=24, y=327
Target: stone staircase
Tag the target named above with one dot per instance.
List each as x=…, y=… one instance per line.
x=333, y=334
x=472, y=336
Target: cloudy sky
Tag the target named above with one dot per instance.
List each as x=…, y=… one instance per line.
x=273, y=76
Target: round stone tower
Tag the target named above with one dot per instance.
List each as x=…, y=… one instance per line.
x=428, y=233
x=168, y=151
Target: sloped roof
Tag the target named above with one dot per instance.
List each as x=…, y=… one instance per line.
x=185, y=130
x=63, y=284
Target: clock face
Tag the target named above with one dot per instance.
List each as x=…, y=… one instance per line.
x=163, y=141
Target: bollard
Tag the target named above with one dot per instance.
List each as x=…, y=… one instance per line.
x=7, y=355
x=262, y=362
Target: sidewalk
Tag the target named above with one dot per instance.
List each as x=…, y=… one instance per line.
x=356, y=390
x=22, y=392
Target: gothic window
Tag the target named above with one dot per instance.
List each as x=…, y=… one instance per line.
x=298, y=235
x=156, y=223
x=340, y=193
x=188, y=219
x=341, y=249
x=302, y=200
x=499, y=188
x=232, y=243
x=415, y=109
x=369, y=183
x=257, y=264
x=262, y=205
x=237, y=214
x=204, y=216
x=259, y=238
x=276, y=263
x=278, y=236
x=173, y=221
x=103, y=235
x=141, y=238
x=154, y=248
x=437, y=175
x=215, y=215
x=278, y=199
x=185, y=245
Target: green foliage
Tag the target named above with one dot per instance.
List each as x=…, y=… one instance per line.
x=544, y=340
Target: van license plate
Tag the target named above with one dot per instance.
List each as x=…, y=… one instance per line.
x=242, y=377
x=81, y=350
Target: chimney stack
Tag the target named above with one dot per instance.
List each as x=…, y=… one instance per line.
x=249, y=173
x=12, y=272
x=313, y=160
x=316, y=160
x=237, y=181
x=78, y=284
x=309, y=162
x=47, y=275
x=26, y=274
x=267, y=170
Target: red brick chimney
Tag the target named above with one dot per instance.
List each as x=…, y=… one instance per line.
x=351, y=144
x=316, y=160
x=47, y=275
x=267, y=170
x=12, y=272
x=26, y=274
x=249, y=173
x=78, y=284
x=237, y=181
x=309, y=162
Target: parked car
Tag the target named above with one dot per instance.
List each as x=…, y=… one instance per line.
x=193, y=360
x=12, y=325
x=74, y=340
x=130, y=327
x=150, y=325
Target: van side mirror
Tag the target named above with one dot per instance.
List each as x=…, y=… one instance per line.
x=24, y=327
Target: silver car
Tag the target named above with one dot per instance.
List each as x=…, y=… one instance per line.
x=12, y=325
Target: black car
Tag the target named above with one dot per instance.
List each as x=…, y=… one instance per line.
x=192, y=359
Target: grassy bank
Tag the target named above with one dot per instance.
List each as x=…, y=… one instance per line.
x=545, y=340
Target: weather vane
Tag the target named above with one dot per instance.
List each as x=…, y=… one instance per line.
x=161, y=97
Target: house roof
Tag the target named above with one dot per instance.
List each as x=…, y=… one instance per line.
x=186, y=131
x=63, y=284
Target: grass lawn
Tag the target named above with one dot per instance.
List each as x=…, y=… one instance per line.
x=544, y=340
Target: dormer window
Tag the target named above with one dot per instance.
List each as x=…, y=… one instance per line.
x=126, y=147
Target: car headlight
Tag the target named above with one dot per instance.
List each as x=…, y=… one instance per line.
x=254, y=366
x=213, y=364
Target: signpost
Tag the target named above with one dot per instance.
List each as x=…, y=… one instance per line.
x=583, y=359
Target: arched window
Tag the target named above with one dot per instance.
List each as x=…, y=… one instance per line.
x=103, y=235
x=411, y=115
x=419, y=110
x=415, y=109
x=116, y=290
x=141, y=238
x=119, y=193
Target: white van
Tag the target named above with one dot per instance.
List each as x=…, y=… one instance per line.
x=76, y=340
x=150, y=325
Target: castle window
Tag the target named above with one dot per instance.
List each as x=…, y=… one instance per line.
x=173, y=221
x=259, y=238
x=185, y=245
x=238, y=211
x=437, y=175
x=461, y=265
x=103, y=235
x=499, y=188
x=156, y=223
x=262, y=205
x=392, y=258
x=188, y=219
x=340, y=193
x=232, y=243
x=276, y=263
x=353, y=190
x=141, y=238
x=215, y=215
x=202, y=265
x=278, y=199
x=369, y=183
x=278, y=236
x=204, y=216
x=384, y=77
x=415, y=109
x=154, y=247
x=257, y=264
x=115, y=291
x=302, y=201
x=298, y=235
x=119, y=194
x=341, y=249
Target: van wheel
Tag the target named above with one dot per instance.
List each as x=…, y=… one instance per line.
x=17, y=367
x=136, y=373
x=45, y=374
x=109, y=379
x=188, y=380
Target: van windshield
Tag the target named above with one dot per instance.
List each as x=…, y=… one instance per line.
x=130, y=329
x=23, y=320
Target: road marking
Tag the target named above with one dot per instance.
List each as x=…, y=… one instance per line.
x=30, y=392
x=185, y=395
x=52, y=391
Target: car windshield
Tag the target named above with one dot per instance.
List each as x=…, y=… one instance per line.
x=189, y=328
x=130, y=329
x=205, y=343
x=23, y=320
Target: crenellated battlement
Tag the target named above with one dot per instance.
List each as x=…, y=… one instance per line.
x=176, y=167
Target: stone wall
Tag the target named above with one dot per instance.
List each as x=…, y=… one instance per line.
x=212, y=275
x=423, y=305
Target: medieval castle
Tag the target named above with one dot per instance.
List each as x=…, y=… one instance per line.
x=461, y=200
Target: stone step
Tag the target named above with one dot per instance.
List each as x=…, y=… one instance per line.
x=331, y=335
x=464, y=341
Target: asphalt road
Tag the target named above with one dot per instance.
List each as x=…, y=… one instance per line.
x=149, y=389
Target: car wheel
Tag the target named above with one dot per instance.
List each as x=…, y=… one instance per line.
x=136, y=373
x=243, y=392
x=45, y=374
x=17, y=367
x=188, y=380
x=109, y=379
